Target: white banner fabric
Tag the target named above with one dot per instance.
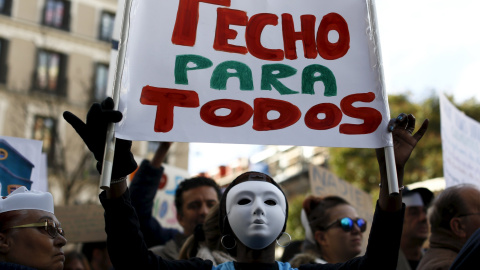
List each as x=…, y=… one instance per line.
x=460, y=145
x=253, y=72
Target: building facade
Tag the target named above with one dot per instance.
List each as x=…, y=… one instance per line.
x=288, y=165
x=54, y=57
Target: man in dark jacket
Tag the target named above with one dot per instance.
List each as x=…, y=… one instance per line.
x=415, y=227
x=468, y=257
x=193, y=199
x=455, y=216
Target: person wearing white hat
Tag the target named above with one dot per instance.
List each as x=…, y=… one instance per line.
x=415, y=227
x=30, y=234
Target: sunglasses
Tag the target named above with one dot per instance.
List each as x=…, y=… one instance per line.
x=347, y=224
x=48, y=225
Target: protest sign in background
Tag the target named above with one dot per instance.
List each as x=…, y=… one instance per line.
x=82, y=223
x=164, y=204
x=17, y=151
x=85, y=223
x=324, y=183
x=238, y=73
x=460, y=145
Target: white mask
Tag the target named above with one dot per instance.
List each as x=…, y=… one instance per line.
x=256, y=212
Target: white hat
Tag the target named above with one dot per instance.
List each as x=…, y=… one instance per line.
x=413, y=199
x=23, y=199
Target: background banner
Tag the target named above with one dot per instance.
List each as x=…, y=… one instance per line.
x=164, y=205
x=22, y=163
x=460, y=145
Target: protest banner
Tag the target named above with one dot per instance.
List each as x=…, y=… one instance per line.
x=460, y=145
x=324, y=183
x=22, y=163
x=242, y=71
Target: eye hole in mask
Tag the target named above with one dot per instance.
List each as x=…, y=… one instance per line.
x=244, y=201
x=270, y=202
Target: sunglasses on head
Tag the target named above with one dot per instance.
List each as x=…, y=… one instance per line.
x=48, y=225
x=347, y=224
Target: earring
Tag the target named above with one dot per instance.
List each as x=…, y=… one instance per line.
x=284, y=240
x=228, y=242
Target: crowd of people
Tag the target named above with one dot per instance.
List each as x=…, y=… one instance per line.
x=240, y=227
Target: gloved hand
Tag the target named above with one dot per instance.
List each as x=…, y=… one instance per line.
x=404, y=141
x=94, y=134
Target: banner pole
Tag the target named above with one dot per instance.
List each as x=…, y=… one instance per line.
x=389, y=153
x=110, y=139
x=391, y=171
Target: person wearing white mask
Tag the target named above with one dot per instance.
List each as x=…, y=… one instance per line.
x=30, y=235
x=253, y=209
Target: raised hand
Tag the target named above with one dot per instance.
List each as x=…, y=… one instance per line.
x=94, y=133
x=404, y=140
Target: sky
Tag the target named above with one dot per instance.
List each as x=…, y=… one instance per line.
x=427, y=45
x=431, y=44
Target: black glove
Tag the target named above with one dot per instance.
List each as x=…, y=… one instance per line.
x=94, y=134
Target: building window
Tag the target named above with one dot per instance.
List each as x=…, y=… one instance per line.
x=3, y=60
x=44, y=130
x=101, y=80
x=107, y=22
x=5, y=7
x=57, y=14
x=50, y=72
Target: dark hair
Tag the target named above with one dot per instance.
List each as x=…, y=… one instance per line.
x=318, y=216
x=447, y=205
x=88, y=248
x=316, y=209
x=244, y=177
x=192, y=183
x=74, y=255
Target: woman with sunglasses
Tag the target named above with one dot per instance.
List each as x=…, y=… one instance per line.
x=253, y=208
x=30, y=234
x=336, y=229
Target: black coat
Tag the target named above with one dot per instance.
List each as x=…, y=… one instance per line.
x=14, y=266
x=142, y=192
x=127, y=247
